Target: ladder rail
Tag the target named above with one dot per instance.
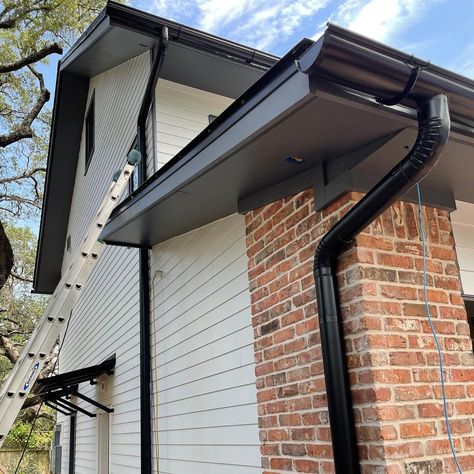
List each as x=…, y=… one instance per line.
x=39, y=347
x=58, y=311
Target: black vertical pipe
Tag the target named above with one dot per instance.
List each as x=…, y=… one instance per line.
x=72, y=443
x=145, y=364
x=144, y=268
x=433, y=133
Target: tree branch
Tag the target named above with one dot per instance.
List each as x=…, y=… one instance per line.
x=20, y=14
x=32, y=58
x=24, y=130
x=21, y=278
x=30, y=408
x=31, y=402
x=19, y=200
x=11, y=351
x=24, y=175
x=9, y=320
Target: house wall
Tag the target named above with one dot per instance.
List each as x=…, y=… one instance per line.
x=203, y=364
x=106, y=318
x=181, y=113
x=463, y=228
x=392, y=359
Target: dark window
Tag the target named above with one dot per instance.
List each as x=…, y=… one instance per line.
x=90, y=130
x=212, y=118
x=469, y=303
x=72, y=443
x=135, y=179
x=68, y=243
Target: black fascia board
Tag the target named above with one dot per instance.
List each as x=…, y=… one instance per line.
x=257, y=93
x=149, y=24
x=124, y=16
x=67, y=135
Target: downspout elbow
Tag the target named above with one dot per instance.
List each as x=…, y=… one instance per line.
x=433, y=133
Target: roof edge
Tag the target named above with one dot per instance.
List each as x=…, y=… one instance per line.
x=115, y=14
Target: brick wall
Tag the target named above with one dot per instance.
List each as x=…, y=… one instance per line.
x=393, y=363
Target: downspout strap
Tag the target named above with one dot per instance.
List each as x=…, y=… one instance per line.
x=396, y=99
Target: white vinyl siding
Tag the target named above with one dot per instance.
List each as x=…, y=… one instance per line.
x=463, y=229
x=204, y=372
x=150, y=143
x=182, y=112
x=106, y=318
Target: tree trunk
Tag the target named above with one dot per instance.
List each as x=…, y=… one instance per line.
x=6, y=257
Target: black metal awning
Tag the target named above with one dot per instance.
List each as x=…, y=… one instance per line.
x=57, y=391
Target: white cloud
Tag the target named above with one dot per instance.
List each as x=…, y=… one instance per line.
x=378, y=19
x=259, y=23
x=216, y=14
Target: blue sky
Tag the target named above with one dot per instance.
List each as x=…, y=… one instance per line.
x=441, y=31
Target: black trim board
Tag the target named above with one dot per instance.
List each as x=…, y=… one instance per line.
x=280, y=190
x=360, y=182
x=89, y=131
x=65, y=136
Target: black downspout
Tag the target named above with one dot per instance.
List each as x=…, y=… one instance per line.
x=144, y=269
x=433, y=133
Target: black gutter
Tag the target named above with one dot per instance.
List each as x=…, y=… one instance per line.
x=377, y=70
x=144, y=22
x=118, y=14
x=144, y=269
x=433, y=133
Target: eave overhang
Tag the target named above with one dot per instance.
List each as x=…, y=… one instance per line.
x=118, y=34
x=316, y=105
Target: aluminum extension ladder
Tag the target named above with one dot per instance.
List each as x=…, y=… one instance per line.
x=59, y=308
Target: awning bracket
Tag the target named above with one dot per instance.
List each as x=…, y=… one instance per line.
x=93, y=402
x=62, y=402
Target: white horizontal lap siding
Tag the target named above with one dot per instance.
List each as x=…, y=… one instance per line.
x=150, y=143
x=463, y=230
x=204, y=373
x=182, y=112
x=106, y=318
